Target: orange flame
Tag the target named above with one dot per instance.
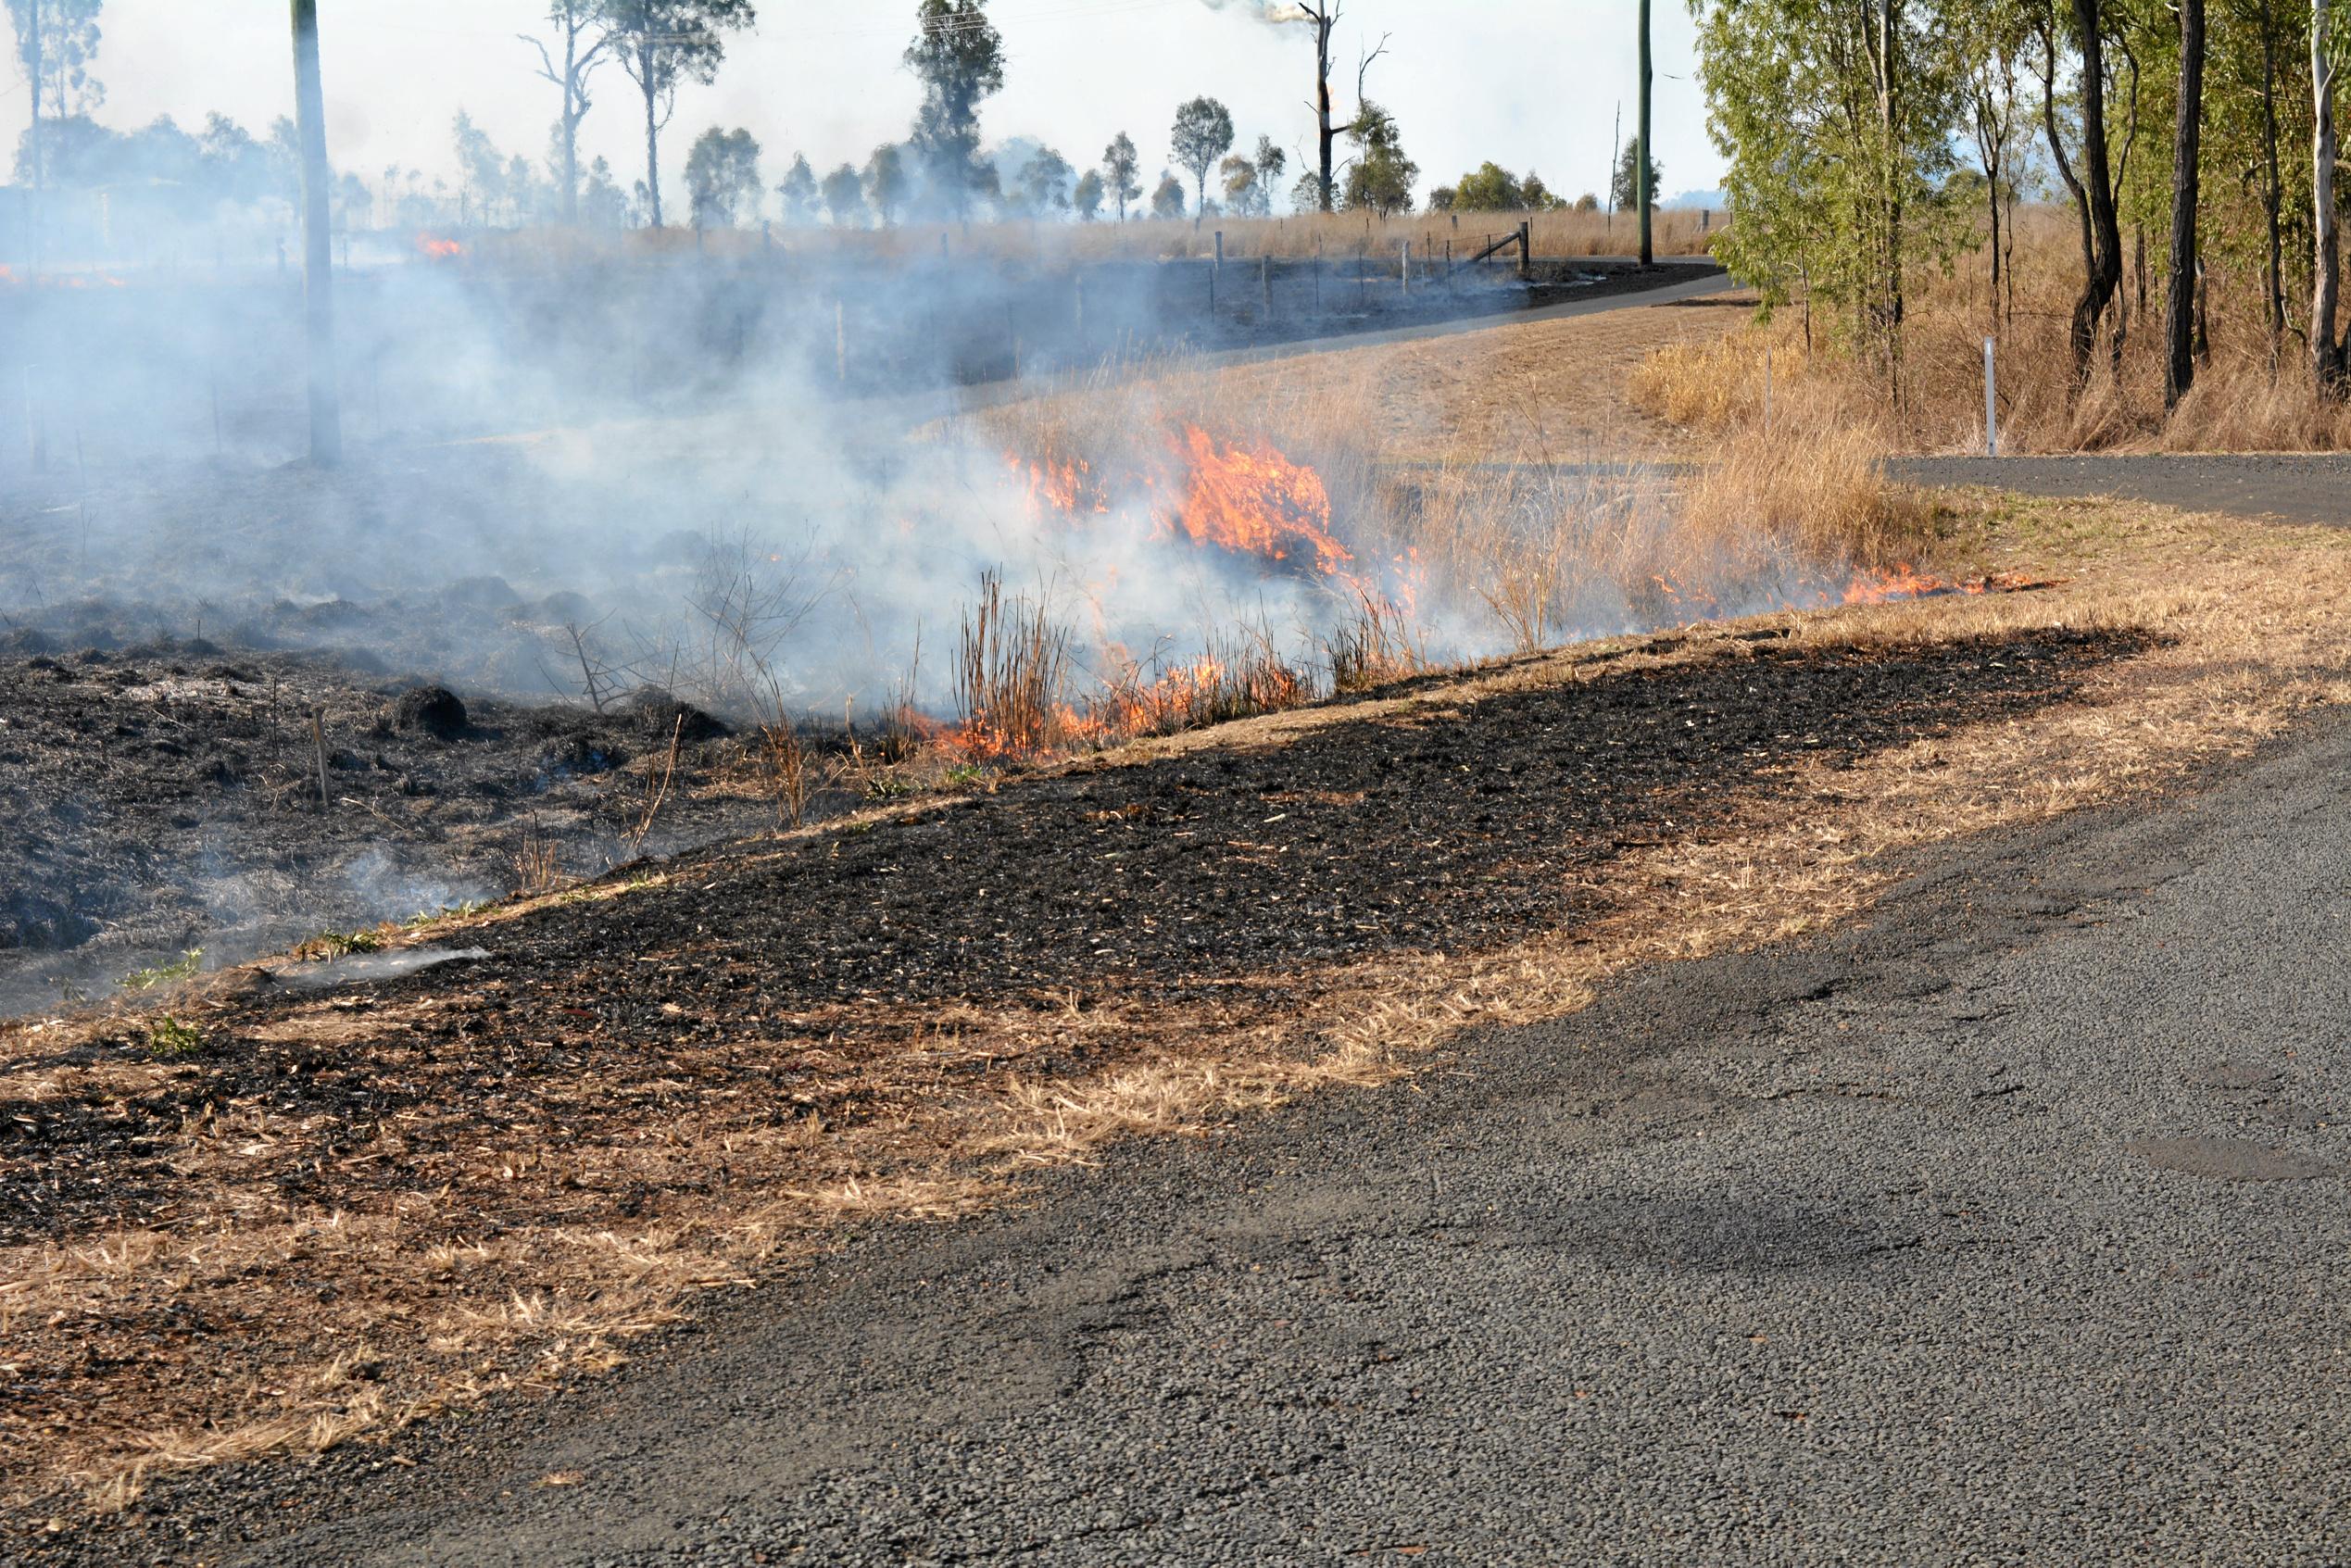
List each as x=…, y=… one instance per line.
x=427, y=245
x=1241, y=496
x=1249, y=499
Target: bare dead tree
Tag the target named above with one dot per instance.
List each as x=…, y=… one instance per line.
x=1323, y=16
x=577, y=26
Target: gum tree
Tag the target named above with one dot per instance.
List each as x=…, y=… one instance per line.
x=662, y=44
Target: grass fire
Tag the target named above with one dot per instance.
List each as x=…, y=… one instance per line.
x=750, y=813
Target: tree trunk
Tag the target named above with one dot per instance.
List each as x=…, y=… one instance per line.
x=571, y=113
x=2105, y=278
x=2180, y=303
x=2326, y=350
x=1994, y=181
x=571, y=169
x=2057, y=154
x=2272, y=197
x=33, y=44
x=1642, y=195
x=1325, y=20
x=652, y=134
x=318, y=262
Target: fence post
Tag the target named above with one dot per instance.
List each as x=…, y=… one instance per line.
x=1404, y=263
x=1526, y=248
x=1990, y=407
x=1265, y=281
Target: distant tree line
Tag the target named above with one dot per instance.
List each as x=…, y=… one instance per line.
x=942, y=169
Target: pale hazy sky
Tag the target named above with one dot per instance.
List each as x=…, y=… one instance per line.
x=1522, y=82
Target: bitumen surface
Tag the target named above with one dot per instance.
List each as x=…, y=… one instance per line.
x=2008, y=1224
x=2313, y=487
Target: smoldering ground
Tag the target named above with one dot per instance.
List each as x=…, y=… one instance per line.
x=575, y=476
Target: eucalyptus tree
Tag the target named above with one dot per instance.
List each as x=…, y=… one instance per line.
x=662, y=44
x=578, y=36
x=1838, y=120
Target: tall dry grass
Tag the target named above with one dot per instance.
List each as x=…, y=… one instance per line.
x=2250, y=393
x=1043, y=242
x=1505, y=554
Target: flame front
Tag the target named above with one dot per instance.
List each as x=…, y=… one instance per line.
x=427, y=245
x=1248, y=498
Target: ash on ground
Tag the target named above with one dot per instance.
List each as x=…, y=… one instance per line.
x=165, y=797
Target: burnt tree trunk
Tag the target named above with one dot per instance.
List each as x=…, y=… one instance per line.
x=2104, y=280
x=1324, y=17
x=2179, y=302
x=2326, y=349
x=317, y=260
x=2272, y=196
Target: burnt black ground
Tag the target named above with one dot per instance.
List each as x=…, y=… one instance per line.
x=2291, y=486
x=2004, y=1226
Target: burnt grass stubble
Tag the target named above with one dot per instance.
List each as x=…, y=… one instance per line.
x=1215, y=883
x=166, y=797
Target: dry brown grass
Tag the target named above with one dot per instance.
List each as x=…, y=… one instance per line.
x=2249, y=395
x=1677, y=232
x=432, y=1313
x=433, y=1316
x=1522, y=540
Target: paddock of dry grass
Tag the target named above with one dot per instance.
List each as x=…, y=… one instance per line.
x=1042, y=243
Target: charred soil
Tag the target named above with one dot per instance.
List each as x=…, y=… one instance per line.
x=167, y=797
x=688, y=1039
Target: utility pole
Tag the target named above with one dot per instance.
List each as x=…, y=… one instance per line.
x=318, y=263
x=1642, y=193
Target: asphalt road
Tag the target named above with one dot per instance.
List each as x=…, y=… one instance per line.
x=2008, y=1226
x=2292, y=487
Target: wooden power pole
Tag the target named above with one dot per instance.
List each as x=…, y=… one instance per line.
x=318, y=263
x=1643, y=194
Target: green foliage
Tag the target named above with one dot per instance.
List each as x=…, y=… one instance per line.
x=1087, y=198
x=1380, y=179
x=662, y=44
x=844, y=192
x=169, y=1036
x=1244, y=195
x=958, y=57
x=1621, y=188
x=1044, y=181
x=186, y=968
x=886, y=182
x=722, y=177
x=799, y=191
x=1201, y=134
x=1119, y=171
x=1167, y=200
x=339, y=943
x=1839, y=178
x=1488, y=188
